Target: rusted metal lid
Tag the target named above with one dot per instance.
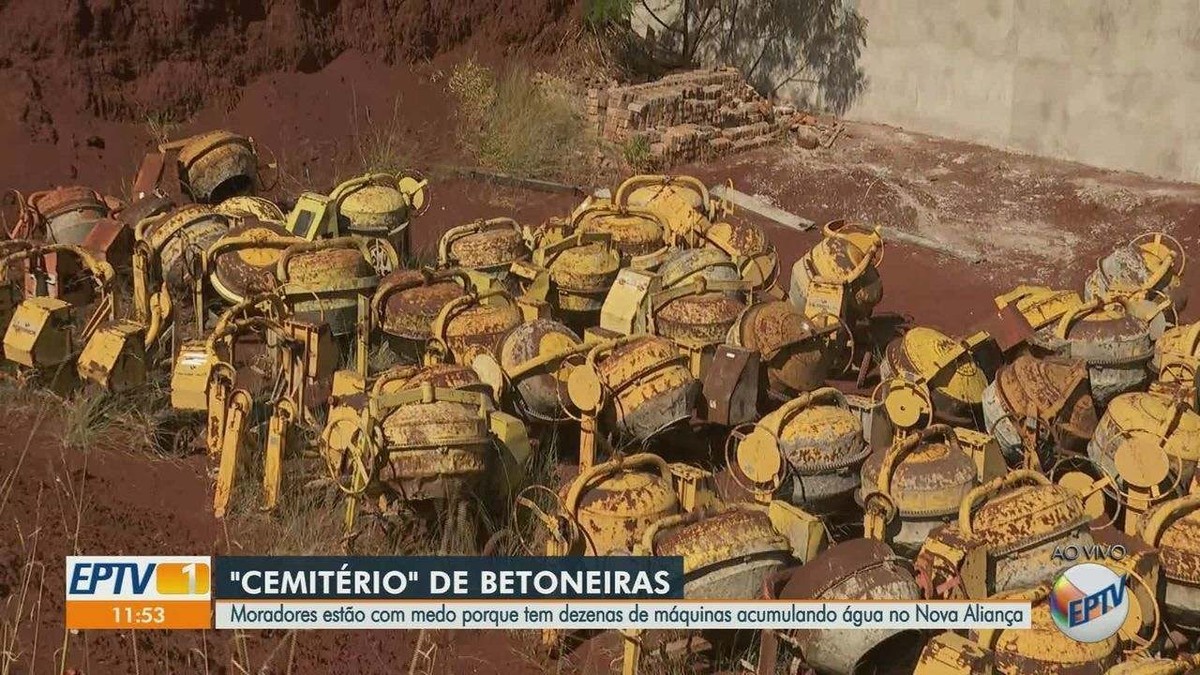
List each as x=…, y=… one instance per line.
x=410, y=313
x=1028, y=516
x=719, y=538
x=249, y=270
x=585, y=269
x=489, y=248
x=696, y=320
x=633, y=234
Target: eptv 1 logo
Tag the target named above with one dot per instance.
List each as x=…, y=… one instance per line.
x=139, y=592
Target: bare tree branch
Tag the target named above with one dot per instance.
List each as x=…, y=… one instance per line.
x=654, y=15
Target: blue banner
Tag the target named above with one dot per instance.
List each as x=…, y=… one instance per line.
x=459, y=577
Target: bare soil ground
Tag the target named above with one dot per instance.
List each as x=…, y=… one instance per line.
x=324, y=111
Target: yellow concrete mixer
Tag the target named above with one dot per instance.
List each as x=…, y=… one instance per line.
x=809, y=453
x=472, y=324
x=423, y=436
x=374, y=207
x=217, y=164
x=528, y=371
x=632, y=387
x=1040, y=409
x=251, y=206
x=1153, y=262
x=243, y=261
x=1158, y=421
x=1108, y=337
x=572, y=275
x=1174, y=529
x=1004, y=537
x=1042, y=648
x=487, y=247
x=751, y=250
x=945, y=367
x=639, y=233
x=1176, y=364
x=858, y=569
x=683, y=203
x=180, y=239
x=407, y=302
x=840, y=275
x=46, y=332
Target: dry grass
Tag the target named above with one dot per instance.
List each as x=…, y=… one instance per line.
x=522, y=124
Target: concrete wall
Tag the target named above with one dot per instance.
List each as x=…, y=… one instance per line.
x=1111, y=83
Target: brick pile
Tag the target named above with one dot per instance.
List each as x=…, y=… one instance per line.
x=687, y=117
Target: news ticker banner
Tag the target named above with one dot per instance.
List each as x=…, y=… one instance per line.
x=227, y=592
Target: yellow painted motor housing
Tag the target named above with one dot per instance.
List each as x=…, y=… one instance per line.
x=727, y=553
x=650, y=385
x=955, y=381
x=190, y=375
x=217, y=165
x=1148, y=415
x=1041, y=306
x=39, y=335
x=614, y=503
x=115, y=356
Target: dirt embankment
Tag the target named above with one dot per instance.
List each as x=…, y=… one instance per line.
x=84, y=83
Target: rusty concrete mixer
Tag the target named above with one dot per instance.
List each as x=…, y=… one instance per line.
x=63, y=215
x=638, y=233
x=407, y=302
x=1155, y=421
x=945, y=366
x=858, y=569
x=572, y=275
x=808, y=453
x=628, y=391
x=1176, y=364
x=1039, y=410
x=1151, y=264
x=529, y=369
x=795, y=354
x=180, y=239
x=251, y=206
x=423, y=437
x=1108, y=337
x=487, y=248
x=839, y=276
x=471, y=324
x=1174, y=529
x=1042, y=648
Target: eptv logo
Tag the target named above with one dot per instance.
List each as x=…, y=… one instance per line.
x=1089, y=602
x=138, y=577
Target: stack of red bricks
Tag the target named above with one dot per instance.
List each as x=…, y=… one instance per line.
x=686, y=116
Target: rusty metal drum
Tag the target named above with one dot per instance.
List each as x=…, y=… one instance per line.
x=324, y=279
x=614, y=503
x=69, y=213
x=1174, y=529
x=181, y=236
x=1161, y=420
x=686, y=265
x=955, y=381
x=858, y=569
x=795, y=354
x=637, y=233
x=1115, y=345
x=847, y=258
x=244, y=261
x=650, y=387
x=407, y=302
x=727, y=553
x=218, y=165
x=540, y=391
